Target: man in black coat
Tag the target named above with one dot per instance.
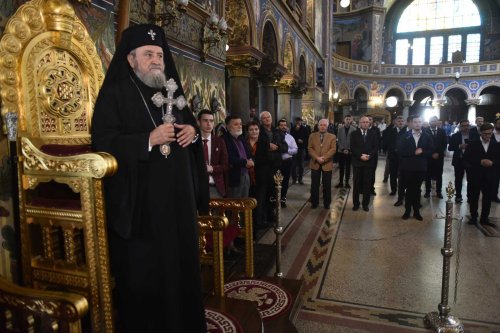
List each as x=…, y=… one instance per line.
x=391, y=136
x=436, y=161
x=300, y=134
x=496, y=138
x=458, y=144
x=376, y=130
x=482, y=157
x=364, y=147
x=268, y=158
x=153, y=201
x=414, y=149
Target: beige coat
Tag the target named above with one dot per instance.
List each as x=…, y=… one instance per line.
x=327, y=150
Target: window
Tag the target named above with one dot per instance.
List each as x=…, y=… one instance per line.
x=402, y=52
x=437, y=28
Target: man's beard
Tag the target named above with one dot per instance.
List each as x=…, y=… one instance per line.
x=156, y=79
x=236, y=133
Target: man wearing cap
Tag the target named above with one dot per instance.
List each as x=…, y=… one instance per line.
x=153, y=200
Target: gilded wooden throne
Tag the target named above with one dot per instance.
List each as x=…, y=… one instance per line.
x=50, y=75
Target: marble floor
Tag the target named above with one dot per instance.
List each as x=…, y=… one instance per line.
x=374, y=272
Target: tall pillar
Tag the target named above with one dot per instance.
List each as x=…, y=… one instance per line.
x=472, y=103
x=239, y=67
x=266, y=95
x=284, y=99
x=438, y=104
x=295, y=106
x=406, y=108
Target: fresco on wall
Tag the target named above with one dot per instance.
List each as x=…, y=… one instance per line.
x=203, y=81
x=491, y=49
x=356, y=30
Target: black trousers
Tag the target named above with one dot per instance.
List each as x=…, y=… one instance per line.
x=413, y=181
x=434, y=171
x=459, y=176
x=344, y=167
x=298, y=165
x=326, y=177
x=286, y=168
x=362, y=178
x=393, y=174
x=487, y=188
x=374, y=169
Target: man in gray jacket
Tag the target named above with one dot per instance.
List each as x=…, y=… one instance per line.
x=344, y=151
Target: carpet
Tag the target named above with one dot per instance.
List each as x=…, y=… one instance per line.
x=220, y=322
x=271, y=300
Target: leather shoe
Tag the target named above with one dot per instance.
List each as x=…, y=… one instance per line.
x=339, y=185
x=472, y=221
x=314, y=206
x=406, y=216
x=459, y=200
x=439, y=195
x=301, y=182
x=355, y=207
x=392, y=193
x=385, y=180
x=488, y=223
x=427, y=194
x=398, y=203
x=373, y=193
x=283, y=204
x=497, y=200
x=418, y=216
x=347, y=185
x=366, y=208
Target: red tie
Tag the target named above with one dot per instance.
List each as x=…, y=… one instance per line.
x=205, y=150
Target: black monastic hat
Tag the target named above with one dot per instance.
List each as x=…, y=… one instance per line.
x=132, y=38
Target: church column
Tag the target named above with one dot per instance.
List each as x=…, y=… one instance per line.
x=284, y=98
x=295, y=106
x=472, y=103
x=438, y=104
x=239, y=67
x=266, y=95
x=406, y=108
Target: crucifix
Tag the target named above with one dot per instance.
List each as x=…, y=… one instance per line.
x=168, y=118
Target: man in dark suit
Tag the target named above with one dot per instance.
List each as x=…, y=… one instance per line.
x=364, y=146
x=344, y=151
x=391, y=136
x=458, y=144
x=215, y=155
x=300, y=134
x=414, y=149
x=496, y=138
x=482, y=157
x=321, y=147
x=239, y=157
x=436, y=161
x=376, y=130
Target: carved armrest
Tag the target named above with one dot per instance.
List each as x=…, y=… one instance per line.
x=94, y=165
x=61, y=308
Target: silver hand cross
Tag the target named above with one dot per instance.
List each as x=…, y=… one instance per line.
x=168, y=118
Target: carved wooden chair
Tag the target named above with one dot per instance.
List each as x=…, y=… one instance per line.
x=50, y=76
x=241, y=210
x=244, y=313
x=30, y=310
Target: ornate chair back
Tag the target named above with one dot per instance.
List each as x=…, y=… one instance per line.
x=50, y=76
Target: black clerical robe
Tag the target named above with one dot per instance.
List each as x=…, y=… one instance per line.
x=151, y=208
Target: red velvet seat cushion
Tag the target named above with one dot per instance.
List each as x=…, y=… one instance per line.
x=65, y=150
